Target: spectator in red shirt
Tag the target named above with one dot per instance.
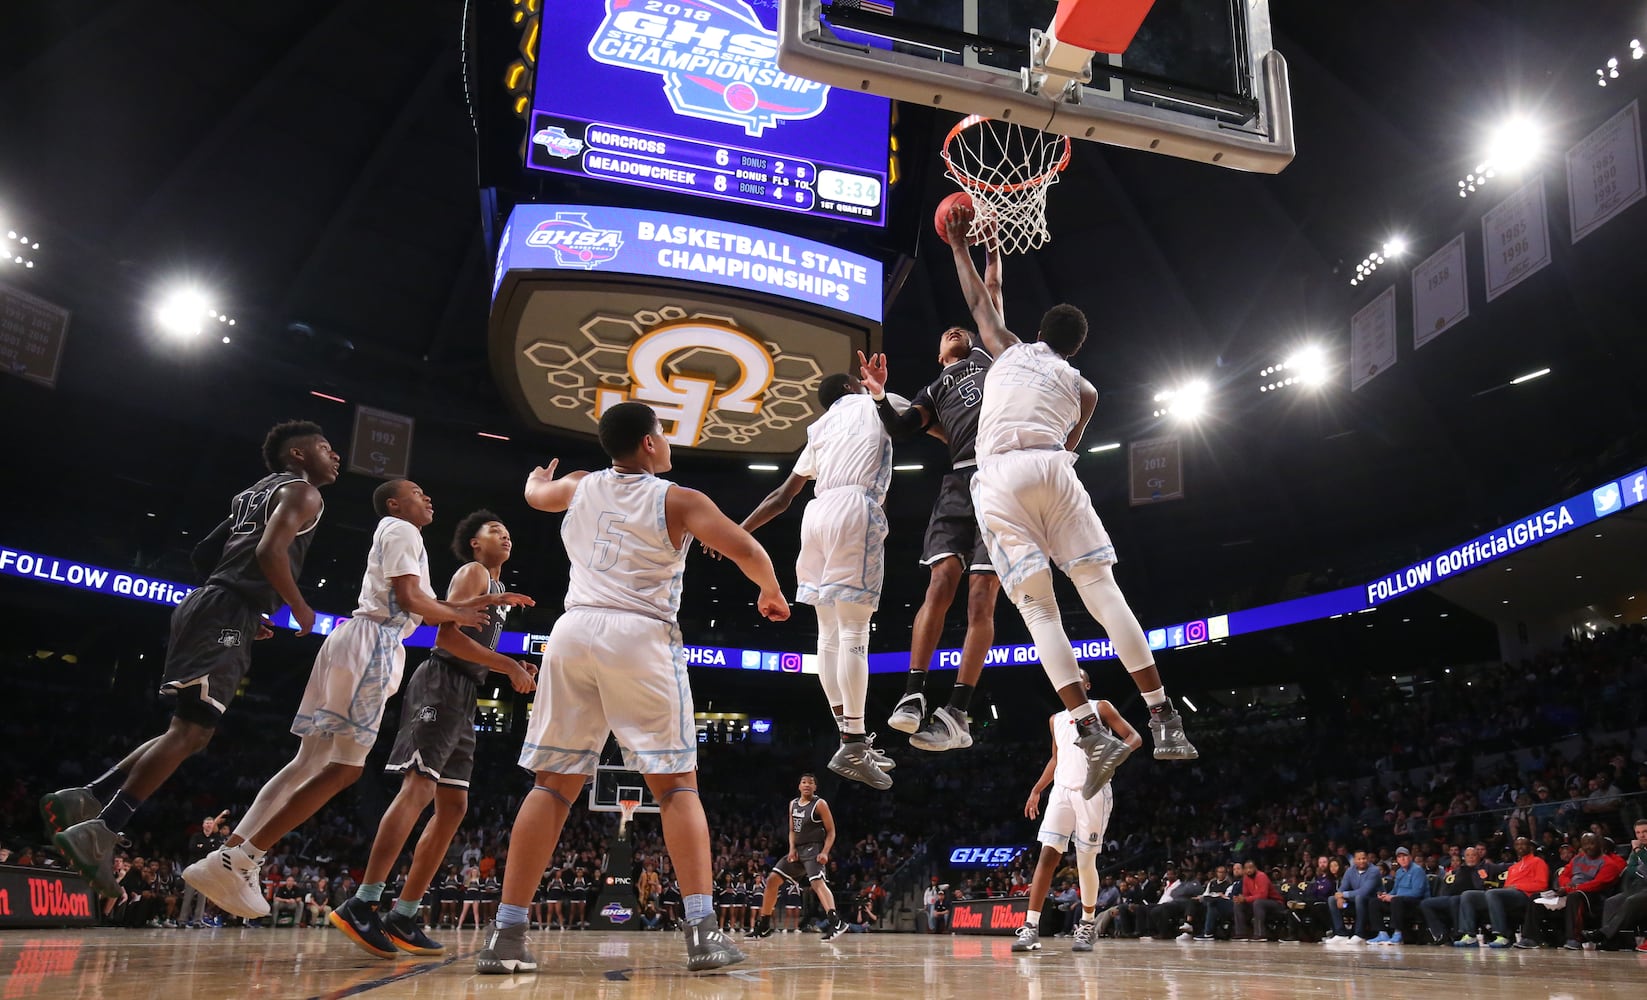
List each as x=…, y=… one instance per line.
x=1525, y=879
x=1587, y=880
x=1257, y=902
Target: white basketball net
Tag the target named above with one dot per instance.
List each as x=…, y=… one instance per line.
x=1007, y=169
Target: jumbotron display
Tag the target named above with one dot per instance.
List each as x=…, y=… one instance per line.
x=686, y=96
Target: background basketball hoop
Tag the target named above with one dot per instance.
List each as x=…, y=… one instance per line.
x=627, y=807
x=1006, y=169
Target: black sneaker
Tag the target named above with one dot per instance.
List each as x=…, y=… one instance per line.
x=505, y=952
x=763, y=928
x=707, y=947
x=67, y=806
x=89, y=846
x=359, y=922
x=835, y=929
x=407, y=935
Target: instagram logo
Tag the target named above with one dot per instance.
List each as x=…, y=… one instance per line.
x=790, y=663
x=1196, y=631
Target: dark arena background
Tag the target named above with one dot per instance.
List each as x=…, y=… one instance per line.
x=1366, y=298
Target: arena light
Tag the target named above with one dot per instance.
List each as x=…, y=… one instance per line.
x=912, y=467
x=19, y=249
x=1511, y=148
x=1187, y=402
x=491, y=436
x=1308, y=366
x=1108, y=446
x=182, y=312
x=316, y=393
x=762, y=467
x=1519, y=379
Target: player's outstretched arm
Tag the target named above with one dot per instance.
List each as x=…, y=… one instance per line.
x=297, y=504
x=469, y=613
x=992, y=278
x=545, y=492
x=470, y=582
x=776, y=502
x=1119, y=726
x=700, y=518
x=899, y=426
x=985, y=313
x=1089, y=402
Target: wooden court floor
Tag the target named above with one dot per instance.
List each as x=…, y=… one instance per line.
x=286, y=963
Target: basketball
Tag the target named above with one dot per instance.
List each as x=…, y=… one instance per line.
x=958, y=198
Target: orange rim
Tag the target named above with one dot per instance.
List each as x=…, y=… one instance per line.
x=1039, y=180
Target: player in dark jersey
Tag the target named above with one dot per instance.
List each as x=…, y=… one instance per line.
x=948, y=409
x=435, y=748
x=811, y=835
x=251, y=562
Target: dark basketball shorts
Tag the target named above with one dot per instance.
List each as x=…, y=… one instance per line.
x=805, y=867
x=209, y=653
x=437, y=726
x=953, y=528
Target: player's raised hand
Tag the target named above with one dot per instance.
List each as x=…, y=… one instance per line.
x=872, y=373
x=544, y=473
x=772, y=606
x=509, y=599
x=957, y=224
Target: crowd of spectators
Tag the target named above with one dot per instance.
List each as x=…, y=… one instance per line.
x=1347, y=810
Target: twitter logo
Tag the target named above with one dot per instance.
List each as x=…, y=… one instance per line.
x=1607, y=499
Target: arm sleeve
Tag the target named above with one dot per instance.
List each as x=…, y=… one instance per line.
x=402, y=550
x=908, y=424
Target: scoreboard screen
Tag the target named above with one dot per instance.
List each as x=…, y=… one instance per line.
x=687, y=96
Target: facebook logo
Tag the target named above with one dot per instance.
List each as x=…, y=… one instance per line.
x=1635, y=488
x=1175, y=636
x=1607, y=499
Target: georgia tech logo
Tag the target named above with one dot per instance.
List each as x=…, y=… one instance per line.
x=575, y=242
x=716, y=60
x=686, y=400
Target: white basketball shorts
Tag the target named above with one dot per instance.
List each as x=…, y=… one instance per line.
x=612, y=672
x=1070, y=819
x=843, y=549
x=1033, y=513
x=355, y=674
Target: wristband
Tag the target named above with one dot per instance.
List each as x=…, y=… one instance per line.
x=880, y=398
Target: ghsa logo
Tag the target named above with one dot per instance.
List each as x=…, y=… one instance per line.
x=717, y=61
x=575, y=242
x=617, y=913
x=557, y=143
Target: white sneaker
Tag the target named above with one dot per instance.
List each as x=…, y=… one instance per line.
x=878, y=755
x=230, y=879
x=1357, y=939
x=946, y=730
x=1186, y=936
x=907, y=716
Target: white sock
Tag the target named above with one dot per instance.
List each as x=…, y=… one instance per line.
x=852, y=726
x=250, y=852
x=853, y=672
x=1156, y=697
x=1033, y=918
x=1040, y=611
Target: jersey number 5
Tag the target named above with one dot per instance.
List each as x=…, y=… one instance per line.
x=608, y=542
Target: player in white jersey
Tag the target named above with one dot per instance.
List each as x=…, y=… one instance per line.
x=614, y=663
x=1069, y=820
x=356, y=671
x=843, y=542
x=1035, y=514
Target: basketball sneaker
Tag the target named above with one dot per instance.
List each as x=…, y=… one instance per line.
x=407, y=935
x=879, y=756
x=359, y=922
x=1104, y=753
x=230, y=879
x=67, y=806
x=1166, y=728
x=836, y=928
x=853, y=761
x=505, y=953
x=89, y=846
x=1086, y=931
x=907, y=716
x=1028, y=939
x=946, y=730
x=708, y=947
x=763, y=928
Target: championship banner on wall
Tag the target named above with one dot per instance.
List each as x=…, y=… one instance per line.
x=1155, y=470
x=1372, y=339
x=1441, y=296
x=1515, y=238
x=725, y=330
x=1604, y=172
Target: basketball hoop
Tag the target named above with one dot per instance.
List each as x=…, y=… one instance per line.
x=627, y=807
x=1006, y=168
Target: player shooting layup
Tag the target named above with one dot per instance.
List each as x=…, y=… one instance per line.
x=1034, y=512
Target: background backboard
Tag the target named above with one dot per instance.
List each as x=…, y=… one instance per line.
x=1199, y=81
x=613, y=784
